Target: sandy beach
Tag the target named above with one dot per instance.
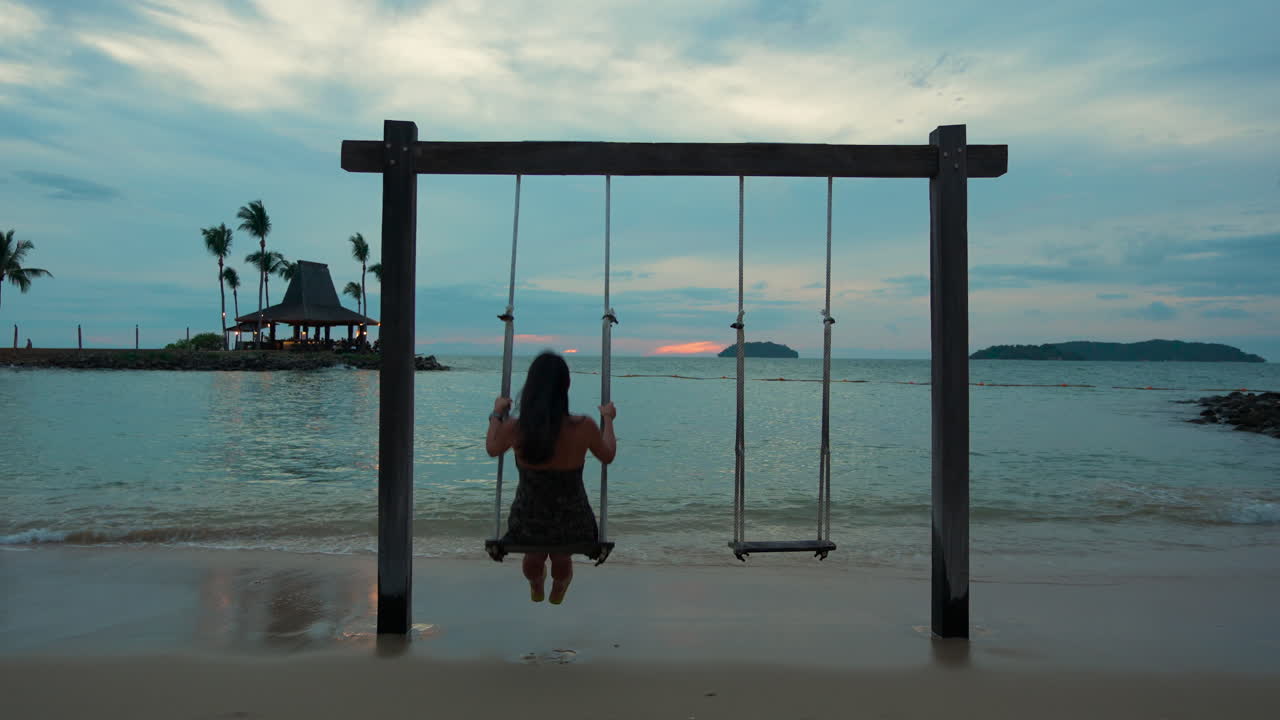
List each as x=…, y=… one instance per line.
x=161, y=632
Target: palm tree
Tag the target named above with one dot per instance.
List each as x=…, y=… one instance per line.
x=217, y=240
x=360, y=251
x=254, y=221
x=288, y=270
x=12, y=253
x=353, y=289
x=233, y=281
x=268, y=263
x=376, y=269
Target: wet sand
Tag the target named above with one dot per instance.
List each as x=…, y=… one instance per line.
x=158, y=632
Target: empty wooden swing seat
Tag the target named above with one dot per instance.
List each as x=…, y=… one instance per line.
x=819, y=548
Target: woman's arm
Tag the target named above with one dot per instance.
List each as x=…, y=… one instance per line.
x=602, y=442
x=498, y=439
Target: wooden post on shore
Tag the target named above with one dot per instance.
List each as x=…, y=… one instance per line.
x=949, y=313
x=188, y=333
x=395, y=419
x=15, y=336
x=135, y=337
x=79, y=338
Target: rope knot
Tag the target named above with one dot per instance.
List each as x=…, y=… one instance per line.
x=827, y=319
x=738, y=325
x=613, y=319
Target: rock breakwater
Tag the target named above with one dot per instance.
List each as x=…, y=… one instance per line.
x=186, y=360
x=1248, y=412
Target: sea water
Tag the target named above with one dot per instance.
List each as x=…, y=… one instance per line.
x=1061, y=477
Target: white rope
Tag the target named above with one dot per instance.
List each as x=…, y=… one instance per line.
x=740, y=450
x=824, y=458
x=508, y=341
x=606, y=359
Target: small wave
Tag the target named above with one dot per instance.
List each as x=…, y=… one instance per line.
x=1254, y=513
x=41, y=536
x=33, y=537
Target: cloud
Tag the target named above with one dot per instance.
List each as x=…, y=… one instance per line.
x=529, y=338
x=909, y=285
x=1208, y=267
x=1156, y=312
x=919, y=77
x=482, y=62
x=1227, y=313
x=701, y=347
x=68, y=188
x=20, y=21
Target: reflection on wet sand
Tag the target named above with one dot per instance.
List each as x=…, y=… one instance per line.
x=113, y=601
x=250, y=607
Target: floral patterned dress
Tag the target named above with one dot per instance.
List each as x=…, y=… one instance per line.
x=551, y=508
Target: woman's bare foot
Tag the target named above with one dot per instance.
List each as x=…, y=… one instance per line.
x=558, y=590
x=536, y=589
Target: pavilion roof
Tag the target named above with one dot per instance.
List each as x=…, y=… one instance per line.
x=310, y=300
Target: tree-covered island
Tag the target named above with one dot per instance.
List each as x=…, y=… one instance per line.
x=1150, y=350
x=760, y=350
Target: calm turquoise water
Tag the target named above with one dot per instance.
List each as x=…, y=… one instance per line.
x=287, y=460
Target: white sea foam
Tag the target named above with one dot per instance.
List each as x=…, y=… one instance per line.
x=1255, y=513
x=30, y=537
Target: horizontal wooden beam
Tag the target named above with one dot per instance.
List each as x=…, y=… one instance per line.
x=692, y=159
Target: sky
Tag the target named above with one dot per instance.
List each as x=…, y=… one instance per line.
x=1142, y=198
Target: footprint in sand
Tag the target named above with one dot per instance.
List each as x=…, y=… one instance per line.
x=559, y=656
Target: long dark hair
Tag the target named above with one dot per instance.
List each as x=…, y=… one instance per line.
x=544, y=404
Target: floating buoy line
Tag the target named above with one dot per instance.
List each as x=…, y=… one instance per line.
x=926, y=382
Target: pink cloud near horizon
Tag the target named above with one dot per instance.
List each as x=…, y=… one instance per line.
x=526, y=338
x=690, y=348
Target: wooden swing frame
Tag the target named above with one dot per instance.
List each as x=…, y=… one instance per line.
x=947, y=161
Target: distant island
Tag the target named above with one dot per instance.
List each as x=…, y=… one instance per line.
x=760, y=350
x=1150, y=350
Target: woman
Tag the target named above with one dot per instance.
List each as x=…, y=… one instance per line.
x=551, y=505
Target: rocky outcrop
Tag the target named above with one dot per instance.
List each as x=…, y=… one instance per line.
x=185, y=360
x=1248, y=412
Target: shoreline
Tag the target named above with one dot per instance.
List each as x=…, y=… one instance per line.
x=112, y=602
x=196, y=360
x=159, y=633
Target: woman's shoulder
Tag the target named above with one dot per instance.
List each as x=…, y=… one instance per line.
x=581, y=422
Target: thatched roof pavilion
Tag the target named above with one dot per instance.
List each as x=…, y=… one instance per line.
x=309, y=303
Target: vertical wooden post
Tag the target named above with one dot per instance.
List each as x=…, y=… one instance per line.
x=395, y=416
x=79, y=338
x=949, y=311
x=136, y=337
x=189, y=334
x=15, y=336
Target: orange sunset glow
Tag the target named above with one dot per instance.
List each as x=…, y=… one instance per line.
x=571, y=350
x=692, y=348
